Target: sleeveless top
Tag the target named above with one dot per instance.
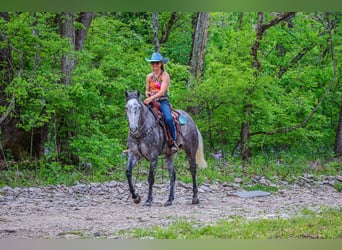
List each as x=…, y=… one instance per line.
x=155, y=86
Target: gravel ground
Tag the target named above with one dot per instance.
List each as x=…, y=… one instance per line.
x=105, y=210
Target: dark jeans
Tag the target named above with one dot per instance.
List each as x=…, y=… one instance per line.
x=166, y=110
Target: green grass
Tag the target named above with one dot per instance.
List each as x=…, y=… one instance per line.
x=326, y=224
x=338, y=186
x=41, y=174
x=222, y=171
x=261, y=187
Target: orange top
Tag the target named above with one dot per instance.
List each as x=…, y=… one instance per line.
x=155, y=85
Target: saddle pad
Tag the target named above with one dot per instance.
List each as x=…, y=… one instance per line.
x=182, y=120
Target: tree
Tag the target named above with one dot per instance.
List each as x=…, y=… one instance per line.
x=28, y=90
x=76, y=37
x=338, y=141
x=243, y=89
x=199, y=44
x=260, y=29
x=18, y=141
x=167, y=31
x=155, y=22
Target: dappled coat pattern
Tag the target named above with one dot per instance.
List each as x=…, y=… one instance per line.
x=146, y=140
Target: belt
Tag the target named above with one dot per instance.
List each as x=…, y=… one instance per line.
x=162, y=98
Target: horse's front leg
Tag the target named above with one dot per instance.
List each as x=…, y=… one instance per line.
x=132, y=161
x=153, y=167
x=172, y=174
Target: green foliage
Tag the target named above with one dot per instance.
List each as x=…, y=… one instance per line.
x=113, y=60
x=178, y=47
x=36, y=54
x=229, y=84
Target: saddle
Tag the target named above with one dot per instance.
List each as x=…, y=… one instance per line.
x=177, y=118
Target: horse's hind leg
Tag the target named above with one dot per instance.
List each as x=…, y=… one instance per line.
x=193, y=171
x=172, y=174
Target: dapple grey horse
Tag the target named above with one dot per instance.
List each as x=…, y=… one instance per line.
x=146, y=140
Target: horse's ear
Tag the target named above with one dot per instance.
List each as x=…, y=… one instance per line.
x=138, y=94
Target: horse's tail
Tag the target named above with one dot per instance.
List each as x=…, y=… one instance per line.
x=199, y=153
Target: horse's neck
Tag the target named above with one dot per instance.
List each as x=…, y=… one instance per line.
x=147, y=114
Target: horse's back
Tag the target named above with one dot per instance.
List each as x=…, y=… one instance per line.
x=189, y=134
x=187, y=116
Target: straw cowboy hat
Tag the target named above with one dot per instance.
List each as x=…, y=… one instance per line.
x=157, y=57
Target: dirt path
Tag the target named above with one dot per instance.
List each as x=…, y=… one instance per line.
x=103, y=210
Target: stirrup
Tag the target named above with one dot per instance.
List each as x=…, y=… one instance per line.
x=174, y=147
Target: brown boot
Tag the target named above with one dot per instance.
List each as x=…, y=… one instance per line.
x=174, y=147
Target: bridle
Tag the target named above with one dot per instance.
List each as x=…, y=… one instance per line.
x=138, y=135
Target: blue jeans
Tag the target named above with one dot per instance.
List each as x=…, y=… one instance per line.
x=166, y=110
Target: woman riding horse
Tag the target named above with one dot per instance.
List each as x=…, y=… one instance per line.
x=146, y=140
x=157, y=86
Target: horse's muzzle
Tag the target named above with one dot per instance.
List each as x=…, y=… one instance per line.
x=133, y=130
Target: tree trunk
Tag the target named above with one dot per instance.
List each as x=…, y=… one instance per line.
x=240, y=20
x=85, y=18
x=166, y=33
x=67, y=30
x=155, y=31
x=338, y=141
x=246, y=153
x=199, y=44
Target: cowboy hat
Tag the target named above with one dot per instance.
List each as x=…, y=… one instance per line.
x=157, y=57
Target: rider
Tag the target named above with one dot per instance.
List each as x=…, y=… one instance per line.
x=157, y=86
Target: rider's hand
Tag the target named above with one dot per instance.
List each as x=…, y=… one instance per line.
x=148, y=100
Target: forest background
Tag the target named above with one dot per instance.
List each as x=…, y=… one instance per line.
x=263, y=88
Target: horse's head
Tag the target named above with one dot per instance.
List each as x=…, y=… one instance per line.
x=133, y=110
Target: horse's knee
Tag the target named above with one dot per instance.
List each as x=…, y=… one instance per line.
x=193, y=169
x=173, y=179
x=128, y=173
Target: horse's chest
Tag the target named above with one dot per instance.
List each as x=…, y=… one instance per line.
x=147, y=148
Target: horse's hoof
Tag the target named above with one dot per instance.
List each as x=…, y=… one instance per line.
x=195, y=200
x=137, y=199
x=168, y=203
x=148, y=203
